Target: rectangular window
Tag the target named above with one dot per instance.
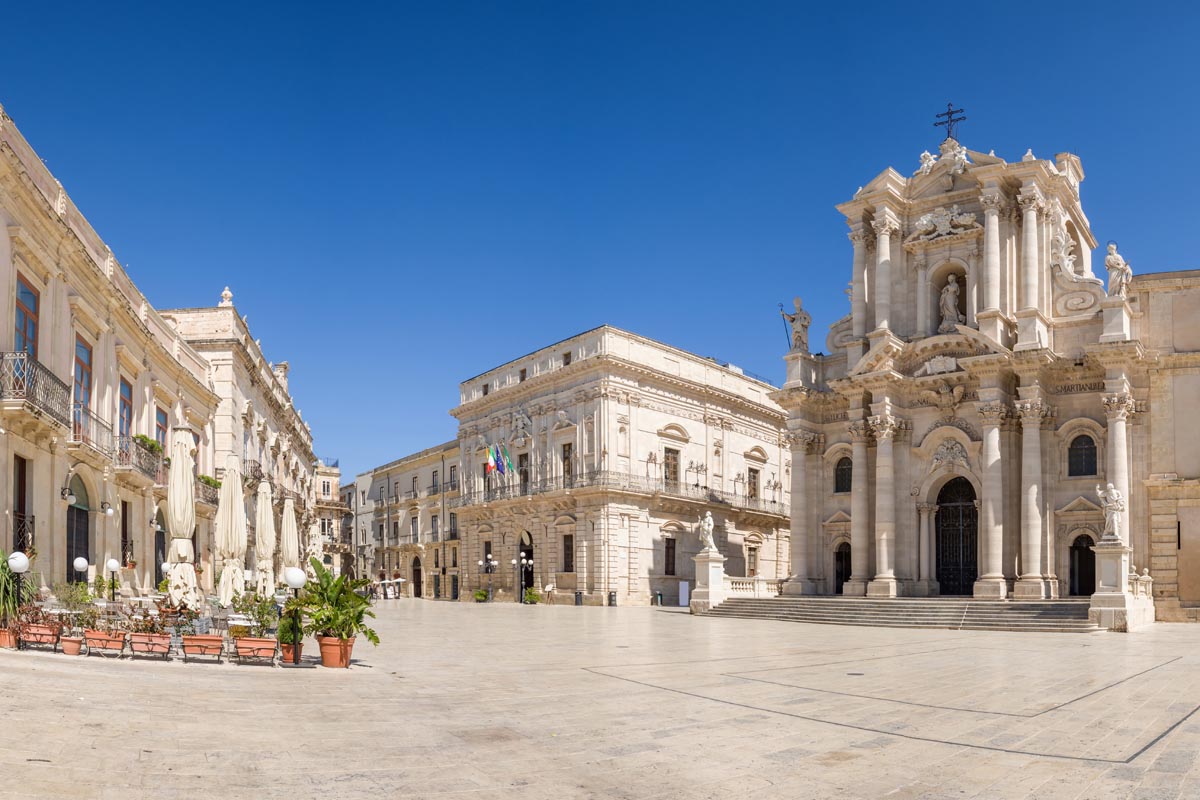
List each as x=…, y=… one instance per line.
x=126, y=539
x=83, y=372
x=28, y=300
x=485, y=389
x=396, y=530
x=454, y=556
x=414, y=486
x=669, y=557
x=568, y=450
x=487, y=552
x=569, y=553
x=521, y=379
x=381, y=531
x=751, y=562
x=325, y=488
x=752, y=483
x=523, y=471
x=453, y=477
x=160, y=427
x=436, y=484
x=671, y=466
x=453, y=524
x=433, y=526
x=125, y=412
x=435, y=560
x=567, y=359
x=415, y=525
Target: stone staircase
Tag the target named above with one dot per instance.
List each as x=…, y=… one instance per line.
x=955, y=613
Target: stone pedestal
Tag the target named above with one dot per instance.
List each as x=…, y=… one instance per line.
x=801, y=370
x=883, y=587
x=1116, y=320
x=1119, y=604
x=991, y=324
x=710, y=581
x=794, y=586
x=1032, y=330
x=990, y=589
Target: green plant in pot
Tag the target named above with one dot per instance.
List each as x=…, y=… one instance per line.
x=254, y=640
x=480, y=595
x=10, y=603
x=75, y=598
x=532, y=596
x=338, y=614
x=291, y=630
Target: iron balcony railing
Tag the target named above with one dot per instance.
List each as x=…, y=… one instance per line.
x=206, y=493
x=132, y=453
x=434, y=489
x=622, y=481
x=412, y=494
x=90, y=430
x=254, y=471
x=450, y=486
x=23, y=530
x=24, y=378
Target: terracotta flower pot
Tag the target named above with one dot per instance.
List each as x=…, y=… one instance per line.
x=288, y=655
x=203, y=644
x=103, y=640
x=254, y=647
x=153, y=643
x=40, y=634
x=71, y=645
x=335, y=652
x=8, y=638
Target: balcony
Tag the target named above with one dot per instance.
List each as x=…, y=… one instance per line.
x=412, y=494
x=136, y=458
x=207, y=493
x=624, y=482
x=452, y=534
x=450, y=486
x=27, y=385
x=433, y=490
x=254, y=472
x=89, y=433
x=23, y=530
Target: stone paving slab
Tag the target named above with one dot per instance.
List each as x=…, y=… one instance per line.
x=503, y=701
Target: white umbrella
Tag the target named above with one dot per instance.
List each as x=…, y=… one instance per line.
x=181, y=521
x=289, y=537
x=264, y=541
x=231, y=533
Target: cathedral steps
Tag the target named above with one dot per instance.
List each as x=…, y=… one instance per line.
x=1055, y=616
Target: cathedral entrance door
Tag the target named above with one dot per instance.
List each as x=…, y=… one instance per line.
x=1083, y=567
x=957, y=537
x=841, y=567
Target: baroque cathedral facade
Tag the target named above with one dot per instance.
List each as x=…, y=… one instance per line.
x=984, y=391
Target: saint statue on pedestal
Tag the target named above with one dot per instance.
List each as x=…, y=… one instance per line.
x=1119, y=273
x=1113, y=503
x=949, y=306
x=706, y=532
x=799, y=322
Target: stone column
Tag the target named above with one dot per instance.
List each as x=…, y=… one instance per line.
x=1030, y=270
x=922, y=295
x=991, y=250
x=1030, y=585
x=884, y=227
x=860, y=434
x=858, y=300
x=991, y=584
x=798, y=581
x=884, y=585
x=1118, y=407
x=925, y=512
x=972, y=287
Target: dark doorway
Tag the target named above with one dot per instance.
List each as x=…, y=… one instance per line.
x=1083, y=567
x=841, y=566
x=416, y=577
x=160, y=548
x=78, y=544
x=957, y=538
x=526, y=564
x=453, y=587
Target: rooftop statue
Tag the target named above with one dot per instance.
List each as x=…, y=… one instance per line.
x=799, y=322
x=1119, y=273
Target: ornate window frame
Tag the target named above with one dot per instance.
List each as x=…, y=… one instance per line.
x=1067, y=432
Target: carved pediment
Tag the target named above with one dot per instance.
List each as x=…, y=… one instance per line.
x=839, y=518
x=1081, y=506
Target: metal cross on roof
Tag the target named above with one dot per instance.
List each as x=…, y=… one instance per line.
x=950, y=120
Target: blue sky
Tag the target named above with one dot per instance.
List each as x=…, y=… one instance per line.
x=403, y=195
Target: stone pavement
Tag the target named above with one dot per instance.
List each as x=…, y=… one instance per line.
x=504, y=701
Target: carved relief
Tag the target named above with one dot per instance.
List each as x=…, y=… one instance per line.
x=949, y=453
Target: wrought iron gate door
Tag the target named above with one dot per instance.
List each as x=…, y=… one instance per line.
x=957, y=538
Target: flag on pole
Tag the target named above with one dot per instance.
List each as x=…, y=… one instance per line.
x=499, y=459
x=491, y=462
x=507, y=459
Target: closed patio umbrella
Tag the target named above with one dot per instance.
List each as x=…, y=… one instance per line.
x=181, y=521
x=231, y=533
x=289, y=537
x=264, y=541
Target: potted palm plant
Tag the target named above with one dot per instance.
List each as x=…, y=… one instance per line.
x=252, y=641
x=338, y=614
x=10, y=603
x=291, y=631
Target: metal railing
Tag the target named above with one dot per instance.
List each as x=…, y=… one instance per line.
x=622, y=481
x=23, y=530
x=90, y=430
x=206, y=493
x=254, y=471
x=412, y=494
x=435, y=489
x=23, y=377
x=132, y=453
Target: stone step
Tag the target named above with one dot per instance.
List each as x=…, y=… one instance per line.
x=1081, y=627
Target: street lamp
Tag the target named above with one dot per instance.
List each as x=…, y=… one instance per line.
x=295, y=578
x=81, y=566
x=112, y=566
x=489, y=567
x=18, y=562
x=519, y=577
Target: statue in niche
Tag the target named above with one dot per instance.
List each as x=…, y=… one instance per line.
x=1113, y=503
x=799, y=322
x=706, y=532
x=949, y=306
x=1119, y=272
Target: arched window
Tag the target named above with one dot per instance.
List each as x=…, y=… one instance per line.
x=843, y=475
x=1081, y=456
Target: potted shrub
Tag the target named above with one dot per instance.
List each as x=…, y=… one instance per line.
x=337, y=613
x=148, y=635
x=532, y=596
x=10, y=604
x=197, y=644
x=75, y=598
x=252, y=641
x=480, y=595
x=37, y=626
x=291, y=631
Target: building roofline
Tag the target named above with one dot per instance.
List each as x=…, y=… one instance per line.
x=450, y=445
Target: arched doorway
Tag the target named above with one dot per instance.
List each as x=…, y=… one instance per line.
x=160, y=547
x=78, y=532
x=957, y=538
x=416, y=577
x=526, y=564
x=1083, y=567
x=841, y=566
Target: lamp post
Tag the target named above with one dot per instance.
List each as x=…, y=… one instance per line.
x=112, y=566
x=81, y=566
x=489, y=567
x=519, y=577
x=18, y=562
x=295, y=578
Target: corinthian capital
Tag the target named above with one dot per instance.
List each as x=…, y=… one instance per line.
x=1118, y=406
x=1031, y=201
x=992, y=202
x=860, y=431
x=802, y=442
x=992, y=414
x=885, y=227
x=1031, y=411
x=858, y=237
x=885, y=426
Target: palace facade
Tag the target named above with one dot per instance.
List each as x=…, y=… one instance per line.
x=983, y=388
